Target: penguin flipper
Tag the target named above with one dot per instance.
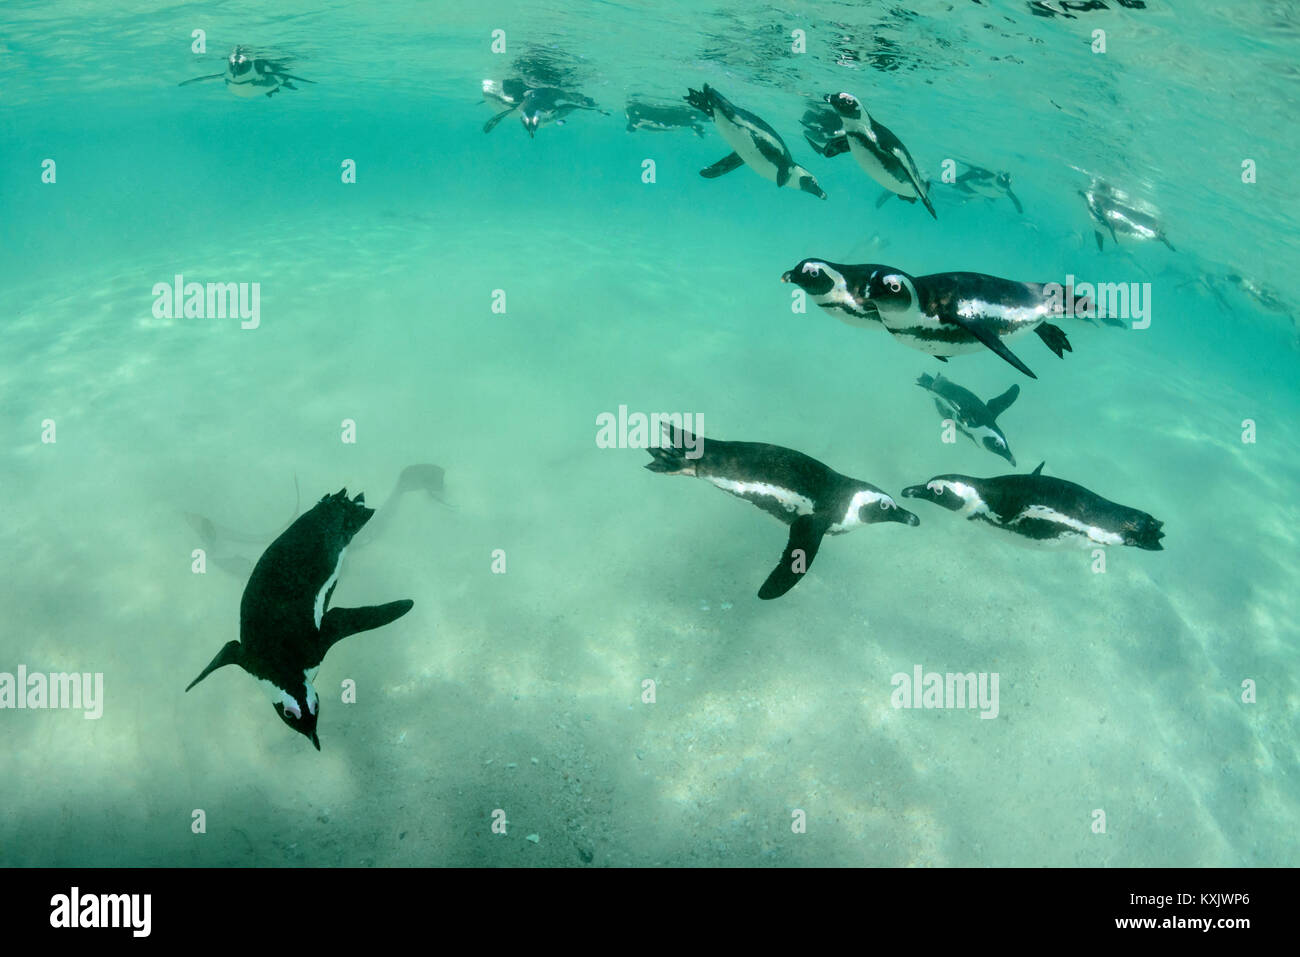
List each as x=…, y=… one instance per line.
x=917, y=185
x=1001, y=403
x=230, y=654
x=1100, y=241
x=1054, y=338
x=491, y=124
x=340, y=623
x=805, y=538
x=210, y=76
x=724, y=165
x=883, y=198
x=990, y=339
x=1016, y=202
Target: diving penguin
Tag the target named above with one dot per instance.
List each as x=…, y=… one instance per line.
x=1042, y=510
x=755, y=143
x=975, y=419
x=878, y=151
x=800, y=491
x=248, y=75
x=285, y=624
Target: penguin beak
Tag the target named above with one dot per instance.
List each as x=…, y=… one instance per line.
x=315, y=740
x=785, y=276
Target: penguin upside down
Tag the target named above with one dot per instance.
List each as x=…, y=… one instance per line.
x=285, y=623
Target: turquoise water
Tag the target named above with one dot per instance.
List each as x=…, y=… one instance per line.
x=523, y=691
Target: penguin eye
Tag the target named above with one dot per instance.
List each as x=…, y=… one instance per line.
x=886, y=505
x=893, y=284
x=935, y=487
x=293, y=710
x=812, y=269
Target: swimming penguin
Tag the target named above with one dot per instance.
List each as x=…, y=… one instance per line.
x=951, y=313
x=755, y=143
x=978, y=181
x=878, y=151
x=1118, y=212
x=1042, y=510
x=800, y=491
x=248, y=75
x=839, y=289
x=508, y=93
x=975, y=419
x=546, y=105
x=285, y=624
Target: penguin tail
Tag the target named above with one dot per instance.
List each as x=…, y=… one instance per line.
x=1146, y=533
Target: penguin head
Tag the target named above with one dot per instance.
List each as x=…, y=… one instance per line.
x=299, y=711
x=813, y=276
x=531, y=120
x=1004, y=180
x=997, y=444
x=846, y=105
x=869, y=505
x=240, y=61
x=953, y=492
x=891, y=291
x=808, y=183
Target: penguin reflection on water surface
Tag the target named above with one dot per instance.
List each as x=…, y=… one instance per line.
x=803, y=493
x=285, y=624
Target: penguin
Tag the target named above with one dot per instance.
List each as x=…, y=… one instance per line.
x=248, y=75
x=660, y=118
x=545, y=105
x=285, y=623
x=508, y=93
x=1116, y=211
x=755, y=143
x=800, y=491
x=1043, y=510
x=878, y=151
x=978, y=181
x=974, y=419
x=951, y=313
x=836, y=288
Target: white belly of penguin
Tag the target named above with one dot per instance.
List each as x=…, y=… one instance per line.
x=318, y=608
x=740, y=140
x=911, y=326
x=869, y=160
x=789, y=500
x=1071, y=531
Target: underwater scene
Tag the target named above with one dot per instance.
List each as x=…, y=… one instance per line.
x=622, y=434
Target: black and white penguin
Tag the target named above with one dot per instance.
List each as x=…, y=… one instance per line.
x=756, y=144
x=1116, y=211
x=975, y=419
x=978, y=181
x=662, y=117
x=285, y=623
x=838, y=288
x=878, y=151
x=1042, y=510
x=951, y=313
x=249, y=75
x=508, y=93
x=800, y=491
x=547, y=105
